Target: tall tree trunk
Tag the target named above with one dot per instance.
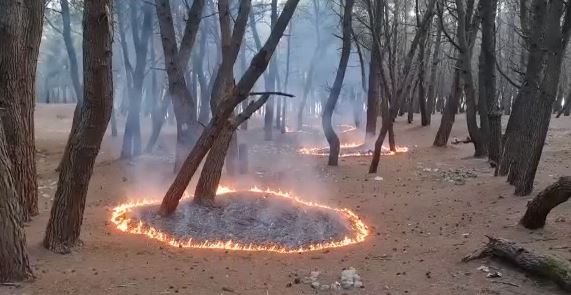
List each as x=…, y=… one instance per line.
x=15, y=265
x=424, y=114
x=332, y=139
x=466, y=45
x=64, y=226
x=317, y=53
x=271, y=82
x=433, y=75
x=21, y=30
x=487, y=82
x=525, y=134
x=132, y=135
x=373, y=95
x=176, y=61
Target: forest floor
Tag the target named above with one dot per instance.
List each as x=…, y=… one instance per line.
x=432, y=207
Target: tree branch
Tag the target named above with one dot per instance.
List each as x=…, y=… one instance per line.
x=272, y=93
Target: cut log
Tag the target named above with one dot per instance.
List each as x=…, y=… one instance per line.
x=546, y=266
x=546, y=200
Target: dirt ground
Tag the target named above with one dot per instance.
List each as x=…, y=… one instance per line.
x=422, y=221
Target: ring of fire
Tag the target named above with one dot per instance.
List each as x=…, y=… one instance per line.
x=120, y=218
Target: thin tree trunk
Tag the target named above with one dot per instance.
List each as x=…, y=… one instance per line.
x=271, y=82
x=64, y=226
x=332, y=139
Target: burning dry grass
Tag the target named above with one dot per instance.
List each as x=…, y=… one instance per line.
x=351, y=150
x=253, y=220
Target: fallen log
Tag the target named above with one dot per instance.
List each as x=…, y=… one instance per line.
x=546, y=266
x=545, y=201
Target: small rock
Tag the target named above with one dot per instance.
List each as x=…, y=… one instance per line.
x=483, y=268
x=336, y=286
x=324, y=287
x=358, y=284
x=495, y=274
x=315, y=285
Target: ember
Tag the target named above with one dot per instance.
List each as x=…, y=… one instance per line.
x=317, y=226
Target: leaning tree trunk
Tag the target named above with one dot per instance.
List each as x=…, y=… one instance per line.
x=334, y=145
x=207, y=185
x=64, y=226
x=21, y=30
x=238, y=93
x=546, y=200
x=15, y=265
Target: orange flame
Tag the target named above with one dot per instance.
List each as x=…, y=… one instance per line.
x=124, y=223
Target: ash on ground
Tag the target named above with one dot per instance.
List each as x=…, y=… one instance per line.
x=250, y=218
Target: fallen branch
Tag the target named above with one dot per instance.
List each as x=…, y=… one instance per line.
x=546, y=200
x=549, y=267
x=272, y=93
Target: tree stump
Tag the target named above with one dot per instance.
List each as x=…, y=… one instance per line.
x=549, y=198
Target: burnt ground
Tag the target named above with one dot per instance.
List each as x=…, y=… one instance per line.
x=431, y=207
x=249, y=218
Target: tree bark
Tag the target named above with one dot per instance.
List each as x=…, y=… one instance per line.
x=64, y=226
x=15, y=264
x=538, y=209
x=332, y=139
x=207, y=185
x=21, y=30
